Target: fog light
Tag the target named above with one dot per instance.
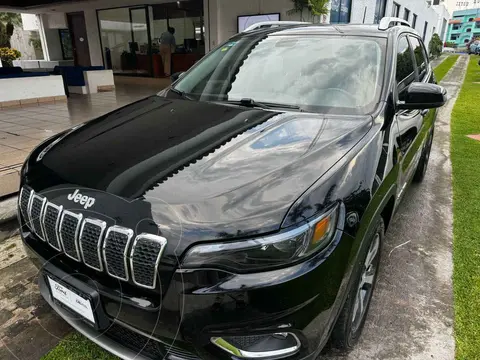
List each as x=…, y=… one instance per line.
x=272, y=346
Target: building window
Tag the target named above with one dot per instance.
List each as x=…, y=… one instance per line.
x=477, y=24
x=396, y=10
x=380, y=8
x=469, y=30
x=471, y=19
x=131, y=37
x=340, y=11
x=425, y=31
x=456, y=27
x=406, y=14
x=466, y=41
x=454, y=37
x=66, y=42
x=444, y=28
x=414, y=21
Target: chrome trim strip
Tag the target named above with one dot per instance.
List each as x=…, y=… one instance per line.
x=121, y=230
x=22, y=191
x=30, y=198
x=79, y=217
x=103, y=226
x=57, y=224
x=273, y=354
x=158, y=239
x=44, y=201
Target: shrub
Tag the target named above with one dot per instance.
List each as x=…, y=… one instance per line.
x=7, y=55
x=435, y=46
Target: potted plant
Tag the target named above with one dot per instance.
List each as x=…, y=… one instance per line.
x=7, y=55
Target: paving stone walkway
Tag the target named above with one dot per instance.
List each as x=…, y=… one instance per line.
x=28, y=326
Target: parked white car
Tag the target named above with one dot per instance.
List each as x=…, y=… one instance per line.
x=448, y=50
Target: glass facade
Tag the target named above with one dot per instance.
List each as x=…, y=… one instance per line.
x=152, y=40
x=340, y=11
x=380, y=7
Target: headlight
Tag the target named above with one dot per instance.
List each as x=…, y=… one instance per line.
x=267, y=252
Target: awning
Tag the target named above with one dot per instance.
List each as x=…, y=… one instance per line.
x=455, y=22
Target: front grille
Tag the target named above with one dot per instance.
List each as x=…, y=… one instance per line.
x=146, y=346
x=24, y=202
x=51, y=221
x=244, y=342
x=69, y=227
x=84, y=240
x=145, y=256
x=115, y=250
x=36, y=209
x=91, y=235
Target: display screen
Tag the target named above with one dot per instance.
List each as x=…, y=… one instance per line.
x=248, y=20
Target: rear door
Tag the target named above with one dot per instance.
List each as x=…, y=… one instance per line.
x=409, y=122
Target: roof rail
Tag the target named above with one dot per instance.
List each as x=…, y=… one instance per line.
x=269, y=24
x=388, y=22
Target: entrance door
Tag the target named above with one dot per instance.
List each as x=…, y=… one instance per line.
x=78, y=31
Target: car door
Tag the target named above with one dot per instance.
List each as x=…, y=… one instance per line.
x=409, y=122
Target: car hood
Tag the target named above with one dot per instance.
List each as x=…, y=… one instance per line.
x=200, y=170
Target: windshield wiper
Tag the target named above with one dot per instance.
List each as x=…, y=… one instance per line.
x=180, y=93
x=248, y=102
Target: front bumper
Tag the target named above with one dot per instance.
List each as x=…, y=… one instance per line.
x=202, y=304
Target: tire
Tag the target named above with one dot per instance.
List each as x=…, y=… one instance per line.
x=423, y=164
x=349, y=325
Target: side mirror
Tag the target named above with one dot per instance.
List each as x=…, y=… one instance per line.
x=176, y=76
x=422, y=96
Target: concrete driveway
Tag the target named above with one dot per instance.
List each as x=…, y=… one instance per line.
x=411, y=315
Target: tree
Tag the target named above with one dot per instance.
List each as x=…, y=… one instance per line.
x=8, y=21
x=436, y=45
x=4, y=38
x=315, y=7
x=12, y=18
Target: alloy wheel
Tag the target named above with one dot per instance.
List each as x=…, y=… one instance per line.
x=365, y=287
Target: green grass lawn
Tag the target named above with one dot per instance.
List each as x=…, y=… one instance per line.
x=442, y=69
x=465, y=154
x=78, y=347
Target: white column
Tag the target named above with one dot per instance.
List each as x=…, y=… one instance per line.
x=43, y=38
x=93, y=36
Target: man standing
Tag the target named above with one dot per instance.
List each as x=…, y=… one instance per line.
x=167, y=47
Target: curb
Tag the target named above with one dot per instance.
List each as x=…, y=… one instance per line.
x=8, y=209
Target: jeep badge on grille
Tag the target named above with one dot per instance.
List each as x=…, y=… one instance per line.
x=84, y=200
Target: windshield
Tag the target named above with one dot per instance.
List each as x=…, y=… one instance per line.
x=340, y=74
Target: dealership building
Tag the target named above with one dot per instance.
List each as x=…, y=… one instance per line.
x=123, y=35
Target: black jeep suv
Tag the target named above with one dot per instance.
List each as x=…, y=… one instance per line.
x=239, y=213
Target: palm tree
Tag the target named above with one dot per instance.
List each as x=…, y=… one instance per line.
x=7, y=23
x=315, y=7
x=10, y=18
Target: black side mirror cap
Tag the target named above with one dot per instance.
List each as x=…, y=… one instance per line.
x=174, y=77
x=421, y=96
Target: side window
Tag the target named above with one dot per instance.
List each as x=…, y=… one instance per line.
x=420, y=57
x=405, y=73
